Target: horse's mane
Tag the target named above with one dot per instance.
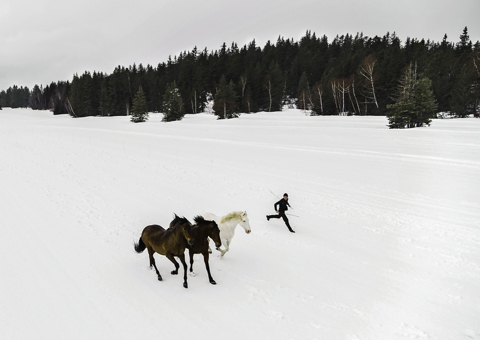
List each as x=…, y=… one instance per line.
x=199, y=219
x=234, y=215
x=177, y=220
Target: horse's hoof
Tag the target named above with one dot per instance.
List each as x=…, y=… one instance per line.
x=160, y=278
x=213, y=282
x=192, y=274
x=174, y=272
x=185, y=285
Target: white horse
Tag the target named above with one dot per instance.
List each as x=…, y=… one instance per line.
x=227, y=225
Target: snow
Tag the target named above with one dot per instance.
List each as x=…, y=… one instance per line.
x=387, y=242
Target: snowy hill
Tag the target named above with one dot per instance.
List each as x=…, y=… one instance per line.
x=387, y=242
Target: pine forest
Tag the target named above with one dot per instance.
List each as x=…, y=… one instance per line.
x=350, y=75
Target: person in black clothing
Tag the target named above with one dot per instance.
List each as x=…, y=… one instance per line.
x=280, y=207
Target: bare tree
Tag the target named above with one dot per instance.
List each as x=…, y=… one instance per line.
x=354, y=94
x=366, y=71
x=193, y=101
x=70, y=108
x=243, y=79
x=318, y=90
x=344, y=88
x=268, y=86
x=407, y=84
x=333, y=84
x=476, y=62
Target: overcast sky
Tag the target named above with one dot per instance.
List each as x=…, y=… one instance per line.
x=49, y=40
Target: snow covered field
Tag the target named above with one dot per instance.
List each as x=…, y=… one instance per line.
x=387, y=242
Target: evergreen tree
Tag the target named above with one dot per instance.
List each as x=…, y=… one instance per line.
x=75, y=97
x=440, y=71
x=172, y=107
x=274, y=86
x=463, y=96
x=464, y=45
x=35, y=98
x=2, y=98
x=225, y=105
x=139, y=108
x=415, y=103
x=303, y=93
x=105, y=100
x=425, y=104
x=87, y=95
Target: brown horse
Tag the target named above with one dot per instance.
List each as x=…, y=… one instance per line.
x=201, y=231
x=171, y=242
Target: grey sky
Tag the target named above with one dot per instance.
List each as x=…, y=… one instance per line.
x=49, y=40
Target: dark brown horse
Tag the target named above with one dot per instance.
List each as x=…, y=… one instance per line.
x=201, y=231
x=171, y=242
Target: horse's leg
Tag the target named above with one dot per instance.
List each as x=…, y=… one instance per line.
x=175, y=263
x=182, y=259
x=226, y=245
x=209, y=249
x=205, y=259
x=191, y=262
x=152, y=262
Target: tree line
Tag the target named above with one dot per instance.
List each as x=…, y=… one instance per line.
x=357, y=75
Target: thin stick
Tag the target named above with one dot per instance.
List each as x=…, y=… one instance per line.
x=273, y=193
x=292, y=215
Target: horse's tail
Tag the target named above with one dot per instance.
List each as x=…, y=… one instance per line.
x=140, y=246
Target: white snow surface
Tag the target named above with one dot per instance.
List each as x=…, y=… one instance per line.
x=387, y=242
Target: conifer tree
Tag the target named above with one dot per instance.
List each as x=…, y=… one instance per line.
x=303, y=101
x=424, y=103
x=87, y=94
x=172, y=107
x=274, y=85
x=464, y=45
x=225, y=105
x=463, y=98
x=105, y=103
x=75, y=97
x=2, y=98
x=317, y=94
x=139, y=108
x=415, y=103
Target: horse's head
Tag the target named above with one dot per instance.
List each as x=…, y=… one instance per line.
x=187, y=232
x=186, y=227
x=212, y=229
x=245, y=223
x=176, y=220
x=214, y=234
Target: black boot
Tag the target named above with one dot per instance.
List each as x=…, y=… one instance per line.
x=268, y=218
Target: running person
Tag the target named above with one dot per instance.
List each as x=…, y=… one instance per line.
x=280, y=207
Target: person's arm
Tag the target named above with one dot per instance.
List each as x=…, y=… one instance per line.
x=275, y=206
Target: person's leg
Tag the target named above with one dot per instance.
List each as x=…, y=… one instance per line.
x=285, y=219
x=272, y=216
